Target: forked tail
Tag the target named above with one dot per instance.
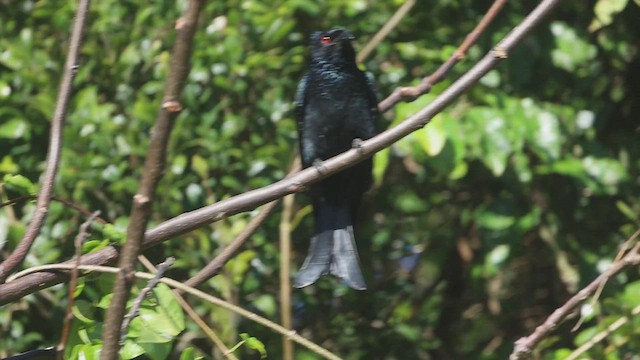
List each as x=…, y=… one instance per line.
x=332, y=250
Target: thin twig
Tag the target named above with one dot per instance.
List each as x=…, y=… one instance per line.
x=189, y=221
x=195, y=292
x=65, y=202
x=192, y=313
x=205, y=328
x=411, y=93
x=628, y=244
x=385, y=30
x=135, y=308
x=285, y=271
x=153, y=170
x=214, y=267
x=603, y=334
x=83, y=233
x=55, y=145
x=524, y=346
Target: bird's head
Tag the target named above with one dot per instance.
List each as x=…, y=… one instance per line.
x=333, y=46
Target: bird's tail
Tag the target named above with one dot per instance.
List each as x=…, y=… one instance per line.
x=332, y=250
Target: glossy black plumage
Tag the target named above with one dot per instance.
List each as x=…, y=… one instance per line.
x=335, y=105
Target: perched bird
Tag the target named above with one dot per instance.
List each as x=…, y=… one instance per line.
x=336, y=107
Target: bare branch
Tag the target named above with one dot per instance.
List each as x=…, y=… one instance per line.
x=385, y=30
x=603, y=334
x=153, y=169
x=409, y=94
x=204, y=327
x=191, y=220
x=524, y=346
x=192, y=313
x=200, y=294
x=65, y=202
x=135, y=308
x=55, y=145
x=215, y=266
x=285, y=271
x=68, y=319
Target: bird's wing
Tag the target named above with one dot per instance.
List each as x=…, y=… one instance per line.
x=373, y=103
x=300, y=102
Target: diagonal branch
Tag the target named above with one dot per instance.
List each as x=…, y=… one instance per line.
x=137, y=303
x=214, y=267
x=524, y=346
x=64, y=202
x=191, y=220
x=177, y=285
x=153, y=170
x=385, y=30
x=83, y=233
x=409, y=94
x=55, y=145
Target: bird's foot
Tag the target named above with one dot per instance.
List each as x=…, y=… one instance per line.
x=319, y=165
x=357, y=144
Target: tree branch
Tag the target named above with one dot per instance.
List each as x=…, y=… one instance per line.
x=153, y=169
x=603, y=334
x=83, y=233
x=409, y=94
x=65, y=202
x=214, y=267
x=135, y=308
x=524, y=346
x=385, y=30
x=191, y=220
x=285, y=273
x=291, y=334
x=55, y=145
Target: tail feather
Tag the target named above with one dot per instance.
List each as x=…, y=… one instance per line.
x=345, y=263
x=318, y=260
x=332, y=250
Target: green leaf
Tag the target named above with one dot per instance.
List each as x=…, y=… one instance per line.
x=255, y=344
x=604, y=11
x=94, y=245
x=83, y=311
x=380, y=164
x=20, y=184
x=131, y=350
x=433, y=136
x=169, y=307
x=156, y=351
x=14, y=129
x=178, y=165
x=7, y=165
x=266, y=304
x=548, y=137
x=631, y=294
x=114, y=234
x=190, y=354
x=200, y=166
x=627, y=211
x=239, y=265
x=571, y=51
x=86, y=352
x=149, y=327
x=495, y=221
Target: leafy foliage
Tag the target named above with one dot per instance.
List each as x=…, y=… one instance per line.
x=480, y=224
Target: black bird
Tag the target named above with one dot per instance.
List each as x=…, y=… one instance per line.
x=336, y=107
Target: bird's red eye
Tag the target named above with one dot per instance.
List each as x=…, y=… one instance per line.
x=326, y=40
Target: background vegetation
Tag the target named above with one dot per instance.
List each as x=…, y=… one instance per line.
x=478, y=226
